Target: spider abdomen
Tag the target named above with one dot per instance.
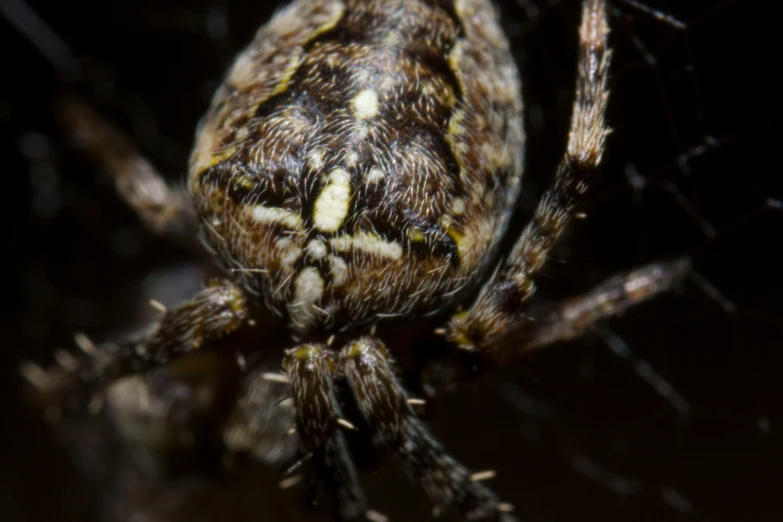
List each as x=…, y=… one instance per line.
x=361, y=158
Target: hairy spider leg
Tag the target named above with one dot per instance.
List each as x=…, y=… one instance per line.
x=209, y=316
x=311, y=370
x=386, y=410
x=498, y=308
x=562, y=321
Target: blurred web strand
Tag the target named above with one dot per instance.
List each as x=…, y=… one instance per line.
x=531, y=11
x=64, y=61
x=20, y=15
x=775, y=203
x=676, y=500
x=638, y=182
x=660, y=15
x=695, y=152
x=620, y=486
x=635, y=178
x=524, y=403
x=687, y=206
x=652, y=61
x=625, y=487
x=648, y=56
x=712, y=291
x=645, y=370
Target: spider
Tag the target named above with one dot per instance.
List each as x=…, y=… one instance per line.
x=355, y=175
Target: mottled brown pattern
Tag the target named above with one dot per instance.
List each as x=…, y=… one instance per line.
x=359, y=164
x=417, y=104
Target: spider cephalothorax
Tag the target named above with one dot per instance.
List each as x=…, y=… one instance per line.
x=357, y=169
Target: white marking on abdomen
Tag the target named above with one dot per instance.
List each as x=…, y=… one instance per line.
x=365, y=104
x=352, y=158
x=375, y=175
x=277, y=216
x=331, y=206
x=369, y=244
x=315, y=158
x=316, y=249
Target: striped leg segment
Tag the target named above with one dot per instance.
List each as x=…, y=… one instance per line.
x=499, y=306
x=310, y=369
x=212, y=314
x=385, y=407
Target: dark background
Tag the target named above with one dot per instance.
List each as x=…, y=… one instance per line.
x=693, y=168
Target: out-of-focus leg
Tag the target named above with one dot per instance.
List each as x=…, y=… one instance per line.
x=163, y=209
x=575, y=316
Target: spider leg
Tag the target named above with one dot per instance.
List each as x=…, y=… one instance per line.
x=179, y=405
x=164, y=209
x=311, y=369
x=575, y=316
x=214, y=313
x=261, y=419
x=578, y=315
x=500, y=303
x=569, y=319
x=384, y=405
